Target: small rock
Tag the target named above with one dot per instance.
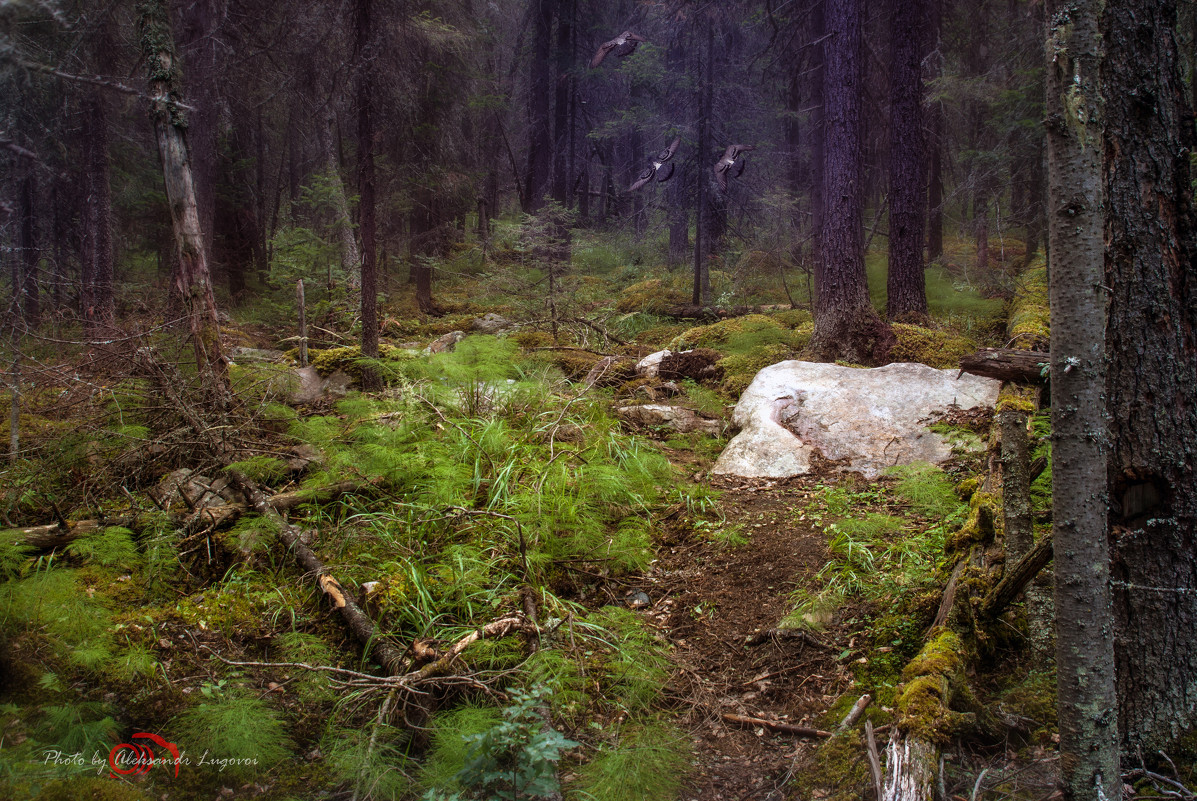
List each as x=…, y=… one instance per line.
x=650, y=365
x=678, y=418
x=491, y=323
x=445, y=343
x=638, y=600
x=242, y=354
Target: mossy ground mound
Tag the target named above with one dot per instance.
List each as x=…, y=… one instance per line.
x=934, y=348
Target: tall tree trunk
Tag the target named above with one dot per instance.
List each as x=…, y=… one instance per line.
x=540, y=145
x=935, y=142
x=199, y=23
x=193, y=281
x=562, y=100
x=701, y=294
x=366, y=206
x=907, y=293
x=27, y=244
x=1084, y=638
x=99, y=311
x=351, y=257
x=846, y=325
x=1151, y=390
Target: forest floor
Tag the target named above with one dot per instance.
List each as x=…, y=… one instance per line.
x=719, y=605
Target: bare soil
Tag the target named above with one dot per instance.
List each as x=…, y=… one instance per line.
x=717, y=604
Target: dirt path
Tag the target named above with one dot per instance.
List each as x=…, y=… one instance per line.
x=714, y=602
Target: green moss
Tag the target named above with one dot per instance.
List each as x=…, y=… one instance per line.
x=793, y=318
x=740, y=335
x=90, y=789
x=838, y=771
x=530, y=339
x=1015, y=398
x=931, y=681
x=738, y=371
x=983, y=524
x=1028, y=325
x=966, y=488
x=939, y=349
x=1033, y=700
x=651, y=296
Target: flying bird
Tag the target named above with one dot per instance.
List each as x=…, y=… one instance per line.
x=660, y=168
x=622, y=45
x=731, y=164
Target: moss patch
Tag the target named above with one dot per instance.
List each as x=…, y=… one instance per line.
x=931, y=681
x=939, y=349
x=1028, y=323
x=651, y=296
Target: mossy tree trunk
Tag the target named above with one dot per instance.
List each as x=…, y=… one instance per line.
x=1086, y=704
x=193, y=281
x=1151, y=267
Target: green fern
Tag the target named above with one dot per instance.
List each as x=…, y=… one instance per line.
x=240, y=734
x=110, y=547
x=452, y=733
x=649, y=761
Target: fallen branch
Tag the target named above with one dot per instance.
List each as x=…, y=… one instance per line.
x=789, y=634
x=855, y=712
x=213, y=517
x=874, y=758
x=777, y=726
x=1017, y=578
x=496, y=628
x=359, y=622
x=54, y=535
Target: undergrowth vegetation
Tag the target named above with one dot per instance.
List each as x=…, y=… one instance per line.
x=480, y=482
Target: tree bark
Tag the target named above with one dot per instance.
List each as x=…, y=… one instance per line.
x=935, y=143
x=540, y=144
x=98, y=303
x=1016, y=482
x=1151, y=390
x=1006, y=364
x=371, y=381
x=351, y=257
x=193, y=281
x=906, y=287
x=1086, y=703
x=846, y=325
x=27, y=244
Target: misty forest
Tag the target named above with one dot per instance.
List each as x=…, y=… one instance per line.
x=745, y=400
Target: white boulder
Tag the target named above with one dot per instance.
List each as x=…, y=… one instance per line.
x=868, y=419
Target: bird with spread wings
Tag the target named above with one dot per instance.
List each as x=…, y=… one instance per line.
x=622, y=45
x=661, y=167
x=731, y=164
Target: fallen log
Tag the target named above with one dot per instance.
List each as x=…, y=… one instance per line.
x=1006, y=364
x=777, y=726
x=358, y=622
x=54, y=535
x=213, y=517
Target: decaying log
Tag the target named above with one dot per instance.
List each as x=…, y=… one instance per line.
x=777, y=726
x=214, y=517
x=1017, y=578
x=1005, y=364
x=359, y=622
x=909, y=770
x=54, y=535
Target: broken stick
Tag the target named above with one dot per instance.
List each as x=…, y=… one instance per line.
x=774, y=725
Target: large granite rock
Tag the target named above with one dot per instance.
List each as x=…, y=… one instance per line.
x=870, y=419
